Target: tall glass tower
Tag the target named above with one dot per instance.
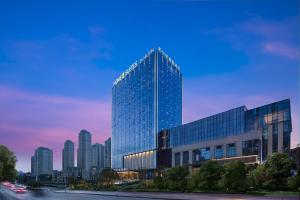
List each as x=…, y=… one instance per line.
x=146, y=98
x=84, y=150
x=68, y=155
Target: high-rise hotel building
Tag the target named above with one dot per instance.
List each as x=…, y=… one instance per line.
x=146, y=99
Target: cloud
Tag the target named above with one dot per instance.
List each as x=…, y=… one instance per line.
x=33, y=119
x=258, y=35
x=282, y=49
x=285, y=29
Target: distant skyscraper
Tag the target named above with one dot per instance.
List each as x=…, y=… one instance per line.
x=98, y=156
x=84, y=150
x=146, y=98
x=43, y=161
x=107, y=153
x=68, y=155
x=33, y=165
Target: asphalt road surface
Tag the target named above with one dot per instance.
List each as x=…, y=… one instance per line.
x=50, y=194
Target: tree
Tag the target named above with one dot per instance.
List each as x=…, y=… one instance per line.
x=7, y=164
x=177, y=178
x=277, y=169
x=257, y=177
x=107, y=177
x=234, y=177
x=294, y=181
x=159, y=182
x=208, y=175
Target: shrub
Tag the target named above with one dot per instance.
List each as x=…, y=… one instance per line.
x=234, y=177
x=177, y=178
x=277, y=169
x=294, y=181
x=207, y=176
x=159, y=182
x=257, y=177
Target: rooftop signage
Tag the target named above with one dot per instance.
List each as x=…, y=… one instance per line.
x=136, y=63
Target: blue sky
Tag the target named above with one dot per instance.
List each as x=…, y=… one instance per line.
x=58, y=61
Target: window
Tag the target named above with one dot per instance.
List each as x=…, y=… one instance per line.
x=275, y=137
x=205, y=153
x=265, y=142
x=218, y=152
x=250, y=147
x=196, y=155
x=185, y=158
x=177, y=159
x=231, y=150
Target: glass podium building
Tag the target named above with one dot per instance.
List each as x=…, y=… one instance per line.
x=146, y=99
x=248, y=135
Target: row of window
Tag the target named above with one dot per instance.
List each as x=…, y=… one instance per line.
x=218, y=126
x=249, y=147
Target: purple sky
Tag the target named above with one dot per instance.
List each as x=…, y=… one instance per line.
x=58, y=62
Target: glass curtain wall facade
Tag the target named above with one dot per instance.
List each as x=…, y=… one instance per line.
x=238, y=132
x=146, y=99
x=221, y=125
x=274, y=123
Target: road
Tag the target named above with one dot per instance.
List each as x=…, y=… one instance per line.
x=50, y=194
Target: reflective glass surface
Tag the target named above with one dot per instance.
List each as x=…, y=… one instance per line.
x=177, y=159
x=145, y=99
x=205, y=153
x=231, y=150
x=268, y=118
x=251, y=147
x=218, y=126
x=185, y=158
x=264, y=120
x=219, y=152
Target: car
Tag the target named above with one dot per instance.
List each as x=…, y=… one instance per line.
x=11, y=186
x=19, y=190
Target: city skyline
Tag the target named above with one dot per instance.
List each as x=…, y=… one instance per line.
x=92, y=157
x=57, y=72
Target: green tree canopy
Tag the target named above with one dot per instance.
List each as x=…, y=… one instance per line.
x=277, y=169
x=107, y=177
x=177, y=178
x=7, y=164
x=234, y=177
x=257, y=177
x=294, y=181
x=208, y=175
